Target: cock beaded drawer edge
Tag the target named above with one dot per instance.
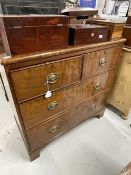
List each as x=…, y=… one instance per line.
x=79, y=79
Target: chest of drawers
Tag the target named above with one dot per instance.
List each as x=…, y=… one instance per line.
x=79, y=77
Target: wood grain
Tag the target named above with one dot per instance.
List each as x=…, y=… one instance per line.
x=31, y=59
x=127, y=35
x=30, y=81
x=79, y=90
x=42, y=134
x=120, y=96
x=80, y=34
x=29, y=34
x=36, y=111
x=92, y=61
x=115, y=27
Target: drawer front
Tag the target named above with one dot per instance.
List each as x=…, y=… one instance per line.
x=100, y=61
x=41, y=109
x=31, y=81
x=88, y=109
x=45, y=132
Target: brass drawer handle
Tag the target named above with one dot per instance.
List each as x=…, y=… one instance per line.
x=54, y=128
x=103, y=61
x=93, y=108
x=97, y=86
x=52, y=78
x=53, y=105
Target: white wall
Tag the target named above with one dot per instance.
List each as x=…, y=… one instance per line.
x=100, y=5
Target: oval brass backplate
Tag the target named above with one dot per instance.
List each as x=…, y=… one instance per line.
x=93, y=107
x=52, y=78
x=97, y=86
x=53, y=105
x=54, y=128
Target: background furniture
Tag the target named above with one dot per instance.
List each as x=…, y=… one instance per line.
x=32, y=6
x=120, y=96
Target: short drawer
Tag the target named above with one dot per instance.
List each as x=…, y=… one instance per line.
x=31, y=81
x=41, y=109
x=45, y=132
x=100, y=61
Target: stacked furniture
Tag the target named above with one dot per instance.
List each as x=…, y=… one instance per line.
x=20, y=7
x=120, y=98
x=115, y=27
x=127, y=33
x=54, y=87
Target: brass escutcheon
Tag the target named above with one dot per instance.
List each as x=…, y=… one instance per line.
x=54, y=128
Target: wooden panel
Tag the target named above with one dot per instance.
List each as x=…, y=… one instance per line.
x=42, y=38
x=115, y=27
x=45, y=132
x=127, y=35
x=117, y=32
x=13, y=21
x=128, y=22
x=36, y=111
x=86, y=34
x=29, y=34
x=120, y=96
x=30, y=82
x=89, y=109
x=100, y=61
x=32, y=6
x=37, y=58
x=41, y=134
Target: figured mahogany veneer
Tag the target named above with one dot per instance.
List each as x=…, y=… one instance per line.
x=100, y=61
x=80, y=79
x=66, y=98
x=32, y=33
x=32, y=79
x=45, y=132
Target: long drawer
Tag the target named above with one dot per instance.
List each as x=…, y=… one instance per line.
x=45, y=132
x=41, y=109
x=100, y=61
x=32, y=81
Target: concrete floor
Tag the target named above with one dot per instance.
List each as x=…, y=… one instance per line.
x=96, y=147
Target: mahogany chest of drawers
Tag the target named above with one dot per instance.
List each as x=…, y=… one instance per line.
x=23, y=34
x=80, y=79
